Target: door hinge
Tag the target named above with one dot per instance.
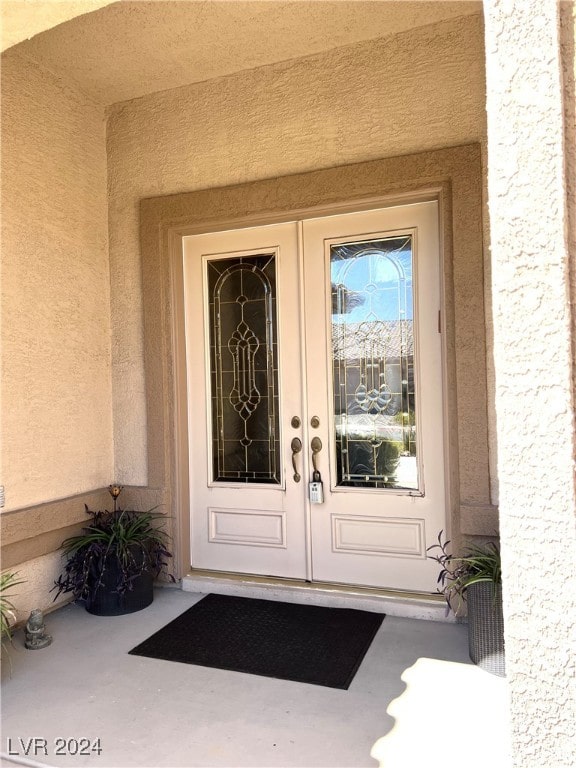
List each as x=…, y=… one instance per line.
x=439, y=321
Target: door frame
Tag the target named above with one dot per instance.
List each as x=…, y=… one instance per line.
x=391, y=510
x=453, y=178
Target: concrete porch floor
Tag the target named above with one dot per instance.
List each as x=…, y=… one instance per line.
x=152, y=713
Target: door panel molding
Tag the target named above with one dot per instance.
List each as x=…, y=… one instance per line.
x=248, y=527
x=399, y=537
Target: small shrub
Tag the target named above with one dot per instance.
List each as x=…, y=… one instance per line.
x=479, y=563
x=8, y=580
x=130, y=539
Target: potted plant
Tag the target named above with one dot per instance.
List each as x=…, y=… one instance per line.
x=476, y=576
x=7, y=610
x=112, y=564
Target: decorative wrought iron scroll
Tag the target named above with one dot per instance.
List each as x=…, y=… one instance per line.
x=244, y=369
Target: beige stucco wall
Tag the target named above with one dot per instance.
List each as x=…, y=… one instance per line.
x=38, y=576
x=568, y=57
x=21, y=19
x=56, y=424
x=529, y=221
x=420, y=90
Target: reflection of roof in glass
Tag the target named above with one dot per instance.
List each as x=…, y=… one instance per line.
x=380, y=338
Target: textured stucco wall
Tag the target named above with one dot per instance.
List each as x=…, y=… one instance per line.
x=568, y=55
x=38, y=577
x=534, y=398
x=56, y=426
x=420, y=90
x=21, y=19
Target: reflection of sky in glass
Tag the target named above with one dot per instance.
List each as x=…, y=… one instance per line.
x=375, y=279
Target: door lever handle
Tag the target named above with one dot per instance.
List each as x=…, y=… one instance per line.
x=296, y=447
x=316, y=447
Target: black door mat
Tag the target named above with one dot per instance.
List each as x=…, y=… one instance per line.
x=304, y=643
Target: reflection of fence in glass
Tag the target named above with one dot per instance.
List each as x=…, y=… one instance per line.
x=373, y=363
x=244, y=369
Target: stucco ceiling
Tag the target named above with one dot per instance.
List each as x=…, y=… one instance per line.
x=128, y=49
x=22, y=19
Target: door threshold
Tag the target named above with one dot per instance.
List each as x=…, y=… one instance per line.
x=411, y=605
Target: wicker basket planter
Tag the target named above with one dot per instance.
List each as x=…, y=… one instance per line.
x=486, y=627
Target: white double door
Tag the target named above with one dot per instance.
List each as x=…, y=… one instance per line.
x=316, y=344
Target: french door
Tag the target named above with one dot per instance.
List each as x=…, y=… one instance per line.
x=314, y=354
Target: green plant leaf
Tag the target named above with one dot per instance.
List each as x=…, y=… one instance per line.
x=134, y=540
x=8, y=580
x=478, y=563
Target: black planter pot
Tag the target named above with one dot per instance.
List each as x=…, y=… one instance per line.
x=106, y=601
x=486, y=627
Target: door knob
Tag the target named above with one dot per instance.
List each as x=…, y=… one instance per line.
x=296, y=447
x=316, y=447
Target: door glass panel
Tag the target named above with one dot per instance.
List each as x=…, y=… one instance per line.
x=373, y=363
x=244, y=370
